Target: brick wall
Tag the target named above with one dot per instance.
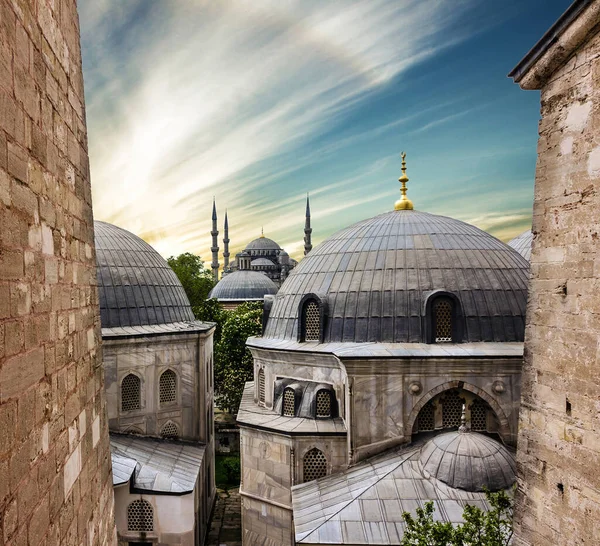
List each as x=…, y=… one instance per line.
x=55, y=475
x=559, y=441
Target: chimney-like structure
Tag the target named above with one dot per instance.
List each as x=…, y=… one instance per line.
x=215, y=244
x=226, y=244
x=307, y=229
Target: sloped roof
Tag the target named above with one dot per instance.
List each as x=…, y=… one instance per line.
x=364, y=504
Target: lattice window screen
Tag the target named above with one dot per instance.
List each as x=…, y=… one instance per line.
x=442, y=309
x=168, y=387
x=315, y=465
x=323, y=404
x=289, y=403
x=131, y=393
x=452, y=409
x=140, y=516
x=261, y=386
x=479, y=415
x=170, y=430
x=426, y=418
x=312, y=322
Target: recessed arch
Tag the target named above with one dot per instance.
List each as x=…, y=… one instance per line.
x=167, y=387
x=504, y=431
x=131, y=392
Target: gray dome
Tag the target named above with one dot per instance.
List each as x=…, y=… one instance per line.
x=243, y=285
x=469, y=461
x=376, y=275
x=262, y=243
x=262, y=262
x=522, y=244
x=136, y=286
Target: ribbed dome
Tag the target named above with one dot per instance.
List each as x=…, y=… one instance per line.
x=522, y=244
x=243, y=285
x=469, y=461
x=376, y=275
x=262, y=243
x=136, y=285
x=262, y=262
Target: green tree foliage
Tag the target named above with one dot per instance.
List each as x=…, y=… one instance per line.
x=233, y=361
x=493, y=528
x=196, y=279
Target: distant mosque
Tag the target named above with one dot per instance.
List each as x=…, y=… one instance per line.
x=257, y=271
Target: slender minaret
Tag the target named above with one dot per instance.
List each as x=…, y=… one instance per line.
x=215, y=244
x=307, y=229
x=226, y=244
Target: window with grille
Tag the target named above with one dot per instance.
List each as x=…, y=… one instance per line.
x=452, y=409
x=442, y=312
x=167, y=387
x=315, y=465
x=131, y=393
x=323, y=404
x=289, y=403
x=312, y=322
x=261, y=386
x=140, y=516
x=479, y=415
x=426, y=418
x=170, y=430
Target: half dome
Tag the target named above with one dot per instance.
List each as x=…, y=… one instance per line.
x=522, y=244
x=375, y=278
x=243, y=285
x=136, y=286
x=469, y=461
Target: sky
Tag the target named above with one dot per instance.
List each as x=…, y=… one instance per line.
x=259, y=102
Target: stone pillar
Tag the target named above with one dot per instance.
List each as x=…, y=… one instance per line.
x=55, y=471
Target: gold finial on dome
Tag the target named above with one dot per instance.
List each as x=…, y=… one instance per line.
x=262, y=232
x=404, y=203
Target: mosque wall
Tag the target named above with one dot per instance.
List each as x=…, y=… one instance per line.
x=558, y=501
x=55, y=472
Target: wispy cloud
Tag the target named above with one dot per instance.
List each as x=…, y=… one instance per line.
x=187, y=100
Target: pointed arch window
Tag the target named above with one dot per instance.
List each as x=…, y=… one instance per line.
x=289, y=403
x=131, y=393
x=170, y=430
x=443, y=318
x=140, y=516
x=261, y=386
x=312, y=321
x=314, y=465
x=324, y=403
x=167, y=387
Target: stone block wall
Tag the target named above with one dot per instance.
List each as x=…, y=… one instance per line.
x=558, y=501
x=55, y=474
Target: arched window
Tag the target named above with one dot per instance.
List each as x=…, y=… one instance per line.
x=452, y=405
x=442, y=320
x=324, y=403
x=170, y=430
x=140, y=516
x=261, y=386
x=167, y=387
x=314, y=465
x=312, y=321
x=289, y=403
x=131, y=393
x=478, y=415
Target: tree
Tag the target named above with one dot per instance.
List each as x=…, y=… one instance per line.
x=233, y=361
x=492, y=528
x=196, y=279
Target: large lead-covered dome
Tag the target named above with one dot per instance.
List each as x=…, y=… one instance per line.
x=136, y=285
x=375, y=277
x=243, y=285
x=262, y=243
x=522, y=244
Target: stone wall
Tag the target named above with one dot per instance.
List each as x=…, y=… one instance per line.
x=55, y=474
x=558, y=501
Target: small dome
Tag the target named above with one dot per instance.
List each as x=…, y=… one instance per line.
x=469, y=461
x=262, y=243
x=136, y=286
x=261, y=262
x=243, y=285
x=375, y=278
x=522, y=244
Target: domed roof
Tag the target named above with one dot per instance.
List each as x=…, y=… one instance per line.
x=262, y=243
x=522, y=244
x=243, y=285
x=136, y=286
x=469, y=461
x=375, y=278
x=262, y=262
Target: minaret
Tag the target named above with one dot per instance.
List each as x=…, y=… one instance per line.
x=307, y=229
x=226, y=243
x=215, y=244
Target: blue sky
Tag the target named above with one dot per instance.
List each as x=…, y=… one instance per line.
x=259, y=102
